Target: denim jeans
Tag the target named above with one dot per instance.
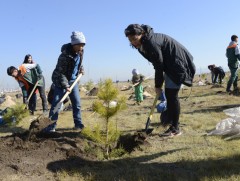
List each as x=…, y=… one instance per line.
x=32, y=102
x=76, y=105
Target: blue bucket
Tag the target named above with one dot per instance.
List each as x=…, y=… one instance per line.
x=1, y=120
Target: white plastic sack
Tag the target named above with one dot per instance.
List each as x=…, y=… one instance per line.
x=230, y=126
x=225, y=127
x=233, y=112
x=200, y=83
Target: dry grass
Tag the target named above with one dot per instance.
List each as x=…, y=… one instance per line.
x=191, y=156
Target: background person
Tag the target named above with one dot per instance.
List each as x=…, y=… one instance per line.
x=233, y=55
x=218, y=73
x=138, y=88
x=211, y=67
x=36, y=75
x=24, y=85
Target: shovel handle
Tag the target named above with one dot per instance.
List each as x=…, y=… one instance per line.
x=151, y=112
x=29, y=97
x=136, y=84
x=153, y=106
x=59, y=104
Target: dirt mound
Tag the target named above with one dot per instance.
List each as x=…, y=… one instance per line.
x=40, y=155
x=8, y=102
x=29, y=159
x=134, y=142
x=125, y=88
x=146, y=95
x=149, y=89
x=40, y=158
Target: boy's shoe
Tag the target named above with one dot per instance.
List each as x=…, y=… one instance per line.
x=78, y=128
x=50, y=129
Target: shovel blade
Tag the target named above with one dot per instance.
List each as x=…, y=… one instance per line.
x=142, y=135
x=147, y=131
x=40, y=123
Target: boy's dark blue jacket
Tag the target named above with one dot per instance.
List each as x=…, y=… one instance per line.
x=63, y=72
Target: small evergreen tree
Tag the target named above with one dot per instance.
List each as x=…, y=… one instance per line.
x=107, y=105
x=15, y=114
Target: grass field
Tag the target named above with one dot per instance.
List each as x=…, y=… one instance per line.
x=191, y=156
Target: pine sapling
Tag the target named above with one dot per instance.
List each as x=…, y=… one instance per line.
x=109, y=103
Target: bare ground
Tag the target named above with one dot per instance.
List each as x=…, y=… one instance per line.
x=29, y=159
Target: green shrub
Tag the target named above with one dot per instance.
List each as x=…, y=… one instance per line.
x=15, y=114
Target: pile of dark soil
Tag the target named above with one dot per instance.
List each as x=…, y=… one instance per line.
x=133, y=142
x=39, y=157
x=29, y=159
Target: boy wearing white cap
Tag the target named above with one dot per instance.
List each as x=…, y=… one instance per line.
x=138, y=88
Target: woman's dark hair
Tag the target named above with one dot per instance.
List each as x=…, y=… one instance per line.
x=26, y=58
x=233, y=37
x=134, y=29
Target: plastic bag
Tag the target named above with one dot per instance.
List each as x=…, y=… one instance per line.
x=229, y=127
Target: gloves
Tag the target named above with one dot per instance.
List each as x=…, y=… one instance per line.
x=25, y=101
x=39, y=77
x=81, y=70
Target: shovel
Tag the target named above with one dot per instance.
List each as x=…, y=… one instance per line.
x=142, y=134
x=147, y=130
x=42, y=122
x=59, y=104
x=33, y=90
x=136, y=84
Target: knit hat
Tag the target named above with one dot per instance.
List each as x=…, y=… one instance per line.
x=77, y=38
x=135, y=72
